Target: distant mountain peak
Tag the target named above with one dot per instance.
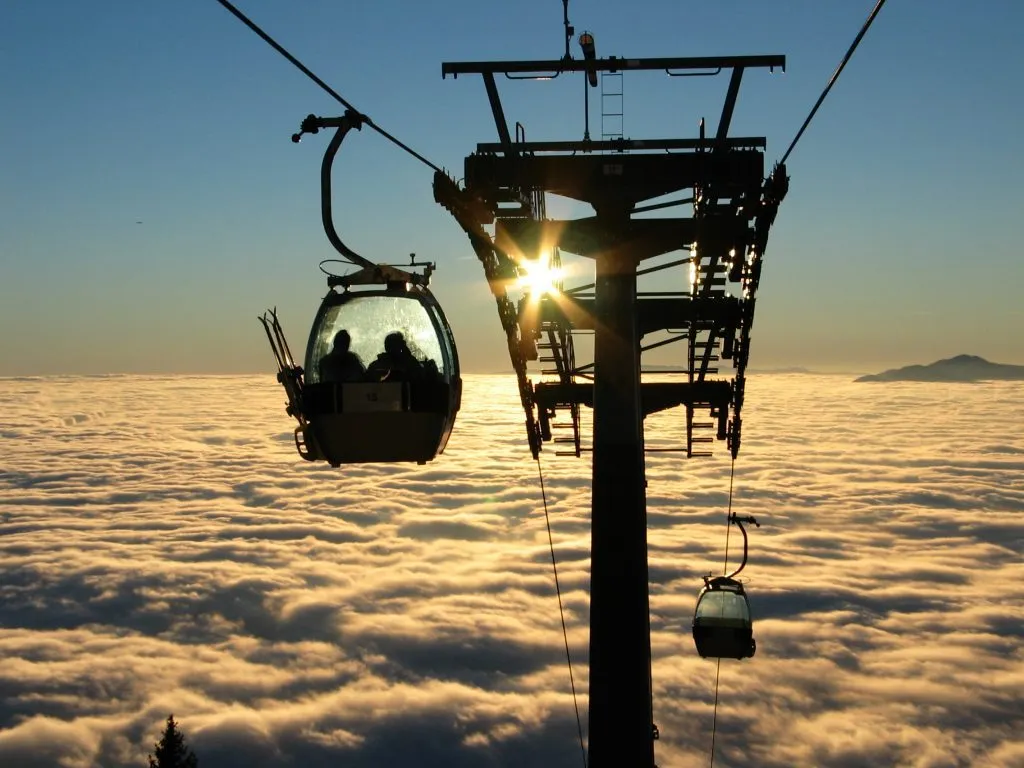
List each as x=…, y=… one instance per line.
x=959, y=368
x=964, y=360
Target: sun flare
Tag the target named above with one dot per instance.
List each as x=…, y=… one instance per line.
x=538, y=276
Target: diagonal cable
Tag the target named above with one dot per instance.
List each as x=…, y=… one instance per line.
x=561, y=612
x=728, y=518
x=725, y=569
x=832, y=80
x=714, y=717
x=309, y=73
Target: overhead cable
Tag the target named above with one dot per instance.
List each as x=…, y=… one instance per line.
x=832, y=80
x=561, y=613
x=306, y=71
x=725, y=569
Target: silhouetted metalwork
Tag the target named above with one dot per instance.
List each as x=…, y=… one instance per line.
x=380, y=380
x=733, y=207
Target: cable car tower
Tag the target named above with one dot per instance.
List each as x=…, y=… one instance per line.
x=733, y=206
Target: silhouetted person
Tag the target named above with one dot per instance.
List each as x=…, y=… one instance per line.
x=396, y=362
x=341, y=363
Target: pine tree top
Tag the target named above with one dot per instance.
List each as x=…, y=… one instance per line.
x=170, y=751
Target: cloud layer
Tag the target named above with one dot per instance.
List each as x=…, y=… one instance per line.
x=163, y=549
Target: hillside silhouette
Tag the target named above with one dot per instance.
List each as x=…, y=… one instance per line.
x=959, y=368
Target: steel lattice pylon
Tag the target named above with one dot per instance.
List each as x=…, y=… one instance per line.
x=733, y=208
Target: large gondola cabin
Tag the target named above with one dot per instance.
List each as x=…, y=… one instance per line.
x=382, y=377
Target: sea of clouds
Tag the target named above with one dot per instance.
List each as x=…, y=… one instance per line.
x=163, y=549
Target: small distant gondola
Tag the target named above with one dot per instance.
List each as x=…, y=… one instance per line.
x=380, y=381
x=722, y=624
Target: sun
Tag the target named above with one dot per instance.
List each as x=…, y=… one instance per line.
x=538, y=277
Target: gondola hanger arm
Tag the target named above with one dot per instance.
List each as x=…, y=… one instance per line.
x=371, y=272
x=312, y=124
x=739, y=521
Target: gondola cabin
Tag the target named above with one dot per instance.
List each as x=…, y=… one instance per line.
x=381, y=376
x=722, y=627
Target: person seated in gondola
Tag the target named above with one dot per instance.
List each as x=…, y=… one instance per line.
x=341, y=363
x=396, y=362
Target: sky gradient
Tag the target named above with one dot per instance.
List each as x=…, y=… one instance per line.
x=894, y=246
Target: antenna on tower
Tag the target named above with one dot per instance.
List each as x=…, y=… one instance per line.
x=586, y=42
x=569, y=29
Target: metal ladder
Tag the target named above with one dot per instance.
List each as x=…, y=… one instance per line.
x=611, y=107
x=556, y=346
x=703, y=348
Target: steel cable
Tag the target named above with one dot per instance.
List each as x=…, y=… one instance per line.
x=561, y=612
x=306, y=71
x=832, y=80
x=725, y=569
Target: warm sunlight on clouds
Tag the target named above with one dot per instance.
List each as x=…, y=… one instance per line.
x=162, y=550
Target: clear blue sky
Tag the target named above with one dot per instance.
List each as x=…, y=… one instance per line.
x=898, y=241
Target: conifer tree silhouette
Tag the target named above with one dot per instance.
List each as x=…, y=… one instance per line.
x=170, y=751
